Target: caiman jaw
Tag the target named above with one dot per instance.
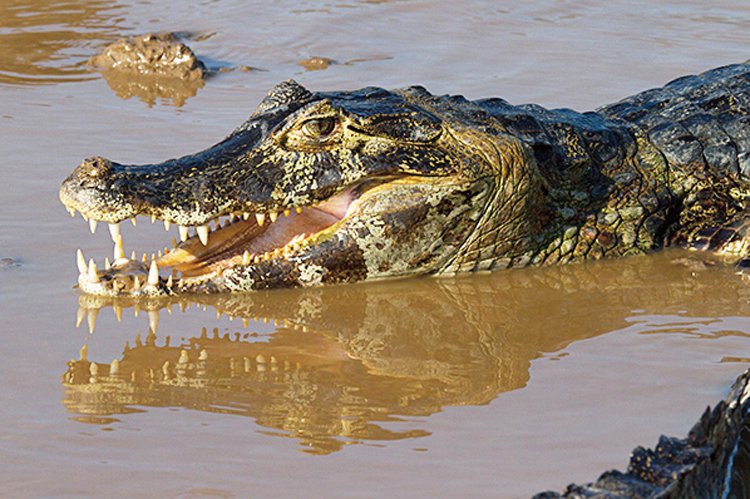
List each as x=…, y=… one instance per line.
x=236, y=239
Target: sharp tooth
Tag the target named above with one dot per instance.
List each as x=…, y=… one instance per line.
x=114, y=367
x=256, y=259
x=203, y=234
x=119, y=251
x=273, y=216
x=72, y=212
x=81, y=261
x=80, y=314
x=153, y=320
x=169, y=285
x=246, y=258
x=298, y=209
x=136, y=285
x=246, y=215
x=114, y=231
x=287, y=212
x=118, y=313
x=132, y=221
x=85, y=217
x=92, y=225
x=153, y=274
x=183, y=233
x=93, y=313
x=93, y=274
x=144, y=258
x=133, y=255
x=153, y=218
x=106, y=263
x=260, y=218
x=167, y=225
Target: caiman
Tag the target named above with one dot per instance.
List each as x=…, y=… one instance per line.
x=331, y=187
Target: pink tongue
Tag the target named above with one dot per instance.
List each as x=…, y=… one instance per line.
x=285, y=229
x=337, y=205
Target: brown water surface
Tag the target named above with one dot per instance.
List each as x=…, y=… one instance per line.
x=495, y=385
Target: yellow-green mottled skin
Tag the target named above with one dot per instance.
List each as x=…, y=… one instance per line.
x=447, y=185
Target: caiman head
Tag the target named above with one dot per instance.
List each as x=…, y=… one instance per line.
x=313, y=188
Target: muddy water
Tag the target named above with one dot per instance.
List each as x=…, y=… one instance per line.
x=498, y=385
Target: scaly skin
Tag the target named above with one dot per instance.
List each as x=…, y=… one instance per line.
x=441, y=185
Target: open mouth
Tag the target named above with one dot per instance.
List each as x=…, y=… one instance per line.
x=227, y=241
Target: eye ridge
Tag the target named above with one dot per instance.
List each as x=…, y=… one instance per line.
x=319, y=127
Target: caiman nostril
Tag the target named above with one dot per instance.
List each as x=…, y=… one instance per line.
x=95, y=167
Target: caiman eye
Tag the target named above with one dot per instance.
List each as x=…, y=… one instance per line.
x=319, y=128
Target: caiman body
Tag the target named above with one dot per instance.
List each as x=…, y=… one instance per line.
x=329, y=187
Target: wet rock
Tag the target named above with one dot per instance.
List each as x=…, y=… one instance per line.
x=316, y=63
x=151, y=67
x=713, y=461
x=9, y=263
x=157, y=55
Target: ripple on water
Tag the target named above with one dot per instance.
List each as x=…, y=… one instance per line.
x=45, y=42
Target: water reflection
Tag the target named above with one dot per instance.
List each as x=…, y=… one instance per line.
x=344, y=361
x=49, y=42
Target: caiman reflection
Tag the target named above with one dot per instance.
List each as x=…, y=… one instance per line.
x=345, y=361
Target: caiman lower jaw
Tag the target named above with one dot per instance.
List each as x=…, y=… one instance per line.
x=237, y=239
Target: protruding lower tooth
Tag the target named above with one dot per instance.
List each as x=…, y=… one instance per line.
x=114, y=231
x=153, y=218
x=92, y=272
x=91, y=319
x=133, y=255
x=246, y=215
x=114, y=367
x=287, y=212
x=92, y=225
x=203, y=234
x=298, y=209
x=260, y=218
x=80, y=314
x=119, y=251
x=81, y=261
x=136, y=285
x=167, y=225
x=256, y=259
x=153, y=319
x=183, y=233
x=170, y=281
x=107, y=265
x=153, y=274
x=273, y=216
x=246, y=258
